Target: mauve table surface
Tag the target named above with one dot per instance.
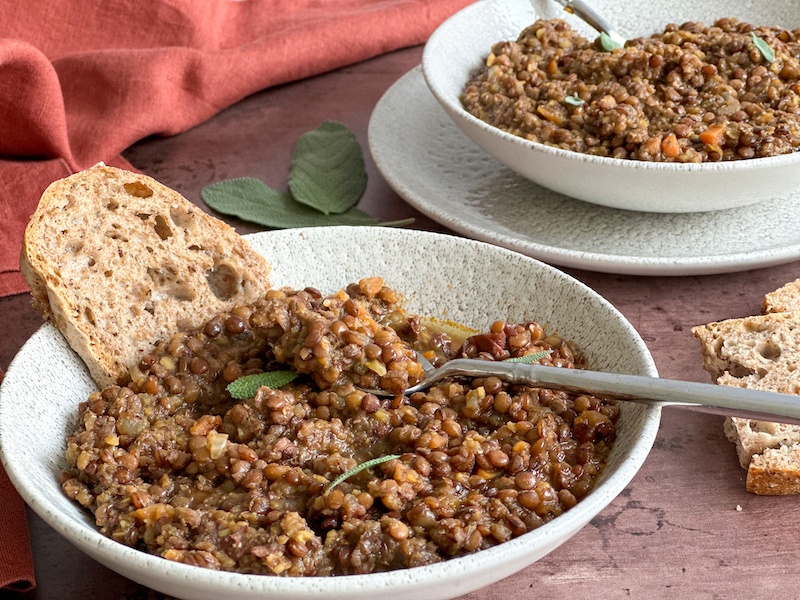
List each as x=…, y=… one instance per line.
x=684, y=528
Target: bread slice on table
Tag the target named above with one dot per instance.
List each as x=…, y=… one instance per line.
x=118, y=261
x=775, y=472
x=760, y=352
x=785, y=299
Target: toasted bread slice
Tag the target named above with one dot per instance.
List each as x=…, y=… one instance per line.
x=118, y=261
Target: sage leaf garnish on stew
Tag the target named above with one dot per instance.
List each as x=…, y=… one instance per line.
x=366, y=465
x=766, y=50
x=607, y=42
x=246, y=387
x=574, y=100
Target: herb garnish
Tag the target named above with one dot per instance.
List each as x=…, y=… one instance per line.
x=608, y=43
x=766, y=51
x=326, y=180
x=574, y=100
x=246, y=387
x=359, y=468
x=530, y=358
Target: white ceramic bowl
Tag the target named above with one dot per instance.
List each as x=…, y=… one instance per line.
x=441, y=276
x=460, y=46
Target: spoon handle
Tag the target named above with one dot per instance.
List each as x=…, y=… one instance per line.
x=703, y=397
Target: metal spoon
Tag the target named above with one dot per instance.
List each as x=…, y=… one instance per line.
x=702, y=397
x=592, y=17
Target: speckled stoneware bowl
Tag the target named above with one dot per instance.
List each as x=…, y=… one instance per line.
x=441, y=276
x=460, y=45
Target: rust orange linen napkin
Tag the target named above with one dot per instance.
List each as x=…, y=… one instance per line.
x=82, y=81
x=16, y=565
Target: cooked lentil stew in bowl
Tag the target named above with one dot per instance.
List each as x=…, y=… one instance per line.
x=693, y=93
x=700, y=116
x=171, y=464
x=468, y=283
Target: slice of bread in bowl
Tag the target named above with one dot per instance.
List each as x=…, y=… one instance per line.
x=118, y=261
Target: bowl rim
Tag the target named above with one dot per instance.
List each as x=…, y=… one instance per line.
x=84, y=535
x=461, y=21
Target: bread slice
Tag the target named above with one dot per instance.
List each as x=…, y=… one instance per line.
x=776, y=472
x=118, y=261
x=753, y=438
x=785, y=299
x=760, y=352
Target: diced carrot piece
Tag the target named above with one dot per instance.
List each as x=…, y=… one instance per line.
x=670, y=146
x=713, y=135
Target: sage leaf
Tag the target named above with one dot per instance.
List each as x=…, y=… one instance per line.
x=766, y=50
x=246, y=387
x=574, y=100
x=327, y=171
x=252, y=200
x=607, y=42
x=370, y=463
x=530, y=358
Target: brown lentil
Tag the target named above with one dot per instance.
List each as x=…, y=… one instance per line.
x=688, y=94
x=171, y=464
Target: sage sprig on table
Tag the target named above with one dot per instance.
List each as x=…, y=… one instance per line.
x=327, y=179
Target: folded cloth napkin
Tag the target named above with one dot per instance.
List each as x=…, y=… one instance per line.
x=16, y=566
x=82, y=81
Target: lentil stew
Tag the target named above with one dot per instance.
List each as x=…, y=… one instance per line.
x=169, y=463
x=690, y=94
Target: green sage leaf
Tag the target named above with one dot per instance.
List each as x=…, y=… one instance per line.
x=766, y=50
x=607, y=42
x=327, y=171
x=530, y=358
x=247, y=386
x=574, y=100
x=251, y=200
x=359, y=468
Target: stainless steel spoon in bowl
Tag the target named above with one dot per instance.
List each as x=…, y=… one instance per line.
x=584, y=11
x=702, y=397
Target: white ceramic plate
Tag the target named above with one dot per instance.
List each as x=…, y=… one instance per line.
x=443, y=276
x=430, y=163
x=460, y=45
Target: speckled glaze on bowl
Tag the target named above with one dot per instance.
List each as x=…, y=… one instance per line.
x=441, y=276
x=460, y=45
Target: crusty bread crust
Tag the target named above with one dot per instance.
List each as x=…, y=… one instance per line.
x=118, y=261
x=785, y=299
x=775, y=472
